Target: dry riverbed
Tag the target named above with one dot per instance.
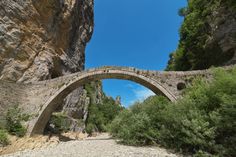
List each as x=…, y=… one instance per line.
x=80, y=146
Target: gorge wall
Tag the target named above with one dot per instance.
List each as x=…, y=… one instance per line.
x=44, y=39
x=207, y=35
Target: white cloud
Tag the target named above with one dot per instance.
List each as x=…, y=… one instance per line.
x=129, y=85
x=141, y=93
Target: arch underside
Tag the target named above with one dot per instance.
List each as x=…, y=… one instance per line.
x=38, y=125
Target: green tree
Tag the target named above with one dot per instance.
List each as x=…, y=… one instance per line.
x=193, y=51
x=100, y=115
x=202, y=122
x=14, y=118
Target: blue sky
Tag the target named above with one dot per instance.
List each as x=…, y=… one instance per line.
x=137, y=33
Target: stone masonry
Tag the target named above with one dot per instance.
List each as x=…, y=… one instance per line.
x=41, y=98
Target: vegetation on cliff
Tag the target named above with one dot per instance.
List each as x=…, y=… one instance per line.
x=101, y=115
x=203, y=122
x=194, y=50
x=3, y=138
x=11, y=123
x=14, y=119
x=60, y=123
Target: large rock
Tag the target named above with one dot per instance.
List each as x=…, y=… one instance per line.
x=44, y=39
x=222, y=34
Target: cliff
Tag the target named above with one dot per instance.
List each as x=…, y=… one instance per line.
x=207, y=35
x=44, y=39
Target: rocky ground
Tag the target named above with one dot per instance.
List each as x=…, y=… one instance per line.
x=99, y=146
x=39, y=142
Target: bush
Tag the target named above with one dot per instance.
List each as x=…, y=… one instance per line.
x=3, y=138
x=14, y=117
x=137, y=125
x=135, y=130
x=203, y=122
x=59, y=122
x=101, y=115
x=203, y=154
x=117, y=124
x=90, y=128
x=95, y=121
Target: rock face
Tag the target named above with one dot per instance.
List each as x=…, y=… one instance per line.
x=222, y=36
x=44, y=39
x=118, y=100
x=207, y=36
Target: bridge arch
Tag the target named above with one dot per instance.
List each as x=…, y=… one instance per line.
x=38, y=125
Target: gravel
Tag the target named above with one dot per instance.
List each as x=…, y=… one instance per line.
x=100, y=146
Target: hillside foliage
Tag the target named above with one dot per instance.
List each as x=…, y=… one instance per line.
x=193, y=51
x=12, y=123
x=202, y=123
x=100, y=115
x=3, y=138
x=60, y=123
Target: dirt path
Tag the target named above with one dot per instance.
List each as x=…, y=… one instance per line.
x=100, y=146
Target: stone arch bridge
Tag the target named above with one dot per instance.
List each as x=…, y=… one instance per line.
x=41, y=98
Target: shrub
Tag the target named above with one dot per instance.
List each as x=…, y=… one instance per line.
x=95, y=120
x=60, y=123
x=203, y=119
x=138, y=125
x=14, y=117
x=101, y=115
x=202, y=122
x=3, y=138
x=90, y=128
x=137, y=130
x=201, y=153
x=117, y=124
